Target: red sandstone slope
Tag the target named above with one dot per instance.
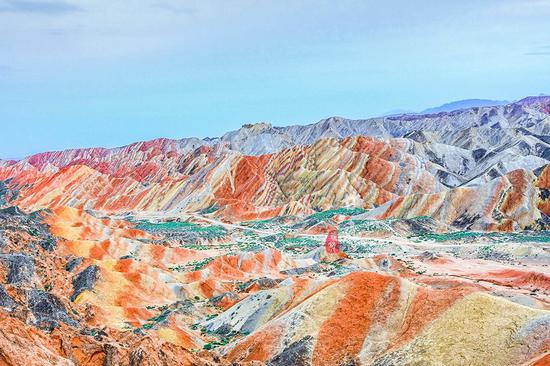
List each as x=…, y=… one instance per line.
x=511, y=202
x=357, y=171
x=361, y=172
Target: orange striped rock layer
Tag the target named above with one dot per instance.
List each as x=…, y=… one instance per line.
x=358, y=171
x=374, y=319
x=159, y=176
x=379, y=310
x=511, y=202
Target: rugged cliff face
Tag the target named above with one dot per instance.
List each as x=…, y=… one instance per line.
x=515, y=201
x=355, y=172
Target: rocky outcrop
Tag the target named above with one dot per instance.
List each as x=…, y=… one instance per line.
x=48, y=310
x=507, y=203
x=37, y=318
x=63, y=347
x=82, y=286
x=85, y=281
x=302, y=169
x=5, y=299
x=20, y=268
x=357, y=171
x=73, y=263
x=295, y=353
x=141, y=298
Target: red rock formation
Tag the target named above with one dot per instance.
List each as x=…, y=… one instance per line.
x=332, y=245
x=507, y=203
x=153, y=176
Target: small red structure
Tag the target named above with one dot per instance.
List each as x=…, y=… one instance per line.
x=332, y=245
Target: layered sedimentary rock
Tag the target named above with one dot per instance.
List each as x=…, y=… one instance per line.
x=42, y=322
x=373, y=319
x=357, y=171
x=469, y=146
x=185, y=281
x=108, y=293
x=459, y=167
x=436, y=165
x=506, y=203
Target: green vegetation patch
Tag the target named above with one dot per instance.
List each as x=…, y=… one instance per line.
x=161, y=318
x=497, y=237
x=258, y=224
x=164, y=226
x=358, y=226
x=184, y=227
x=328, y=214
x=298, y=242
x=193, y=266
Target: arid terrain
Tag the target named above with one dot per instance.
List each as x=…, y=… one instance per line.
x=406, y=240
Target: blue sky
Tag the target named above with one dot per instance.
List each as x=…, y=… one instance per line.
x=78, y=73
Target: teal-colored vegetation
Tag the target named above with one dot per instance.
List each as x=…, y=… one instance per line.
x=497, y=237
x=297, y=242
x=258, y=224
x=180, y=226
x=193, y=266
x=222, y=342
x=328, y=214
x=158, y=319
x=354, y=227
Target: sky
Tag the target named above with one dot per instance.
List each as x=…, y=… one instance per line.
x=82, y=73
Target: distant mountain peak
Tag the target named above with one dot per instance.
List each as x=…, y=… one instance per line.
x=258, y=126
x=541, y=99
x=464, y=104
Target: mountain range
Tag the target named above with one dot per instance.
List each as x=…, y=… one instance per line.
x=425, y=162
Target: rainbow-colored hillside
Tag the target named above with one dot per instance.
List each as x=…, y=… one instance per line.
x=215, y=251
